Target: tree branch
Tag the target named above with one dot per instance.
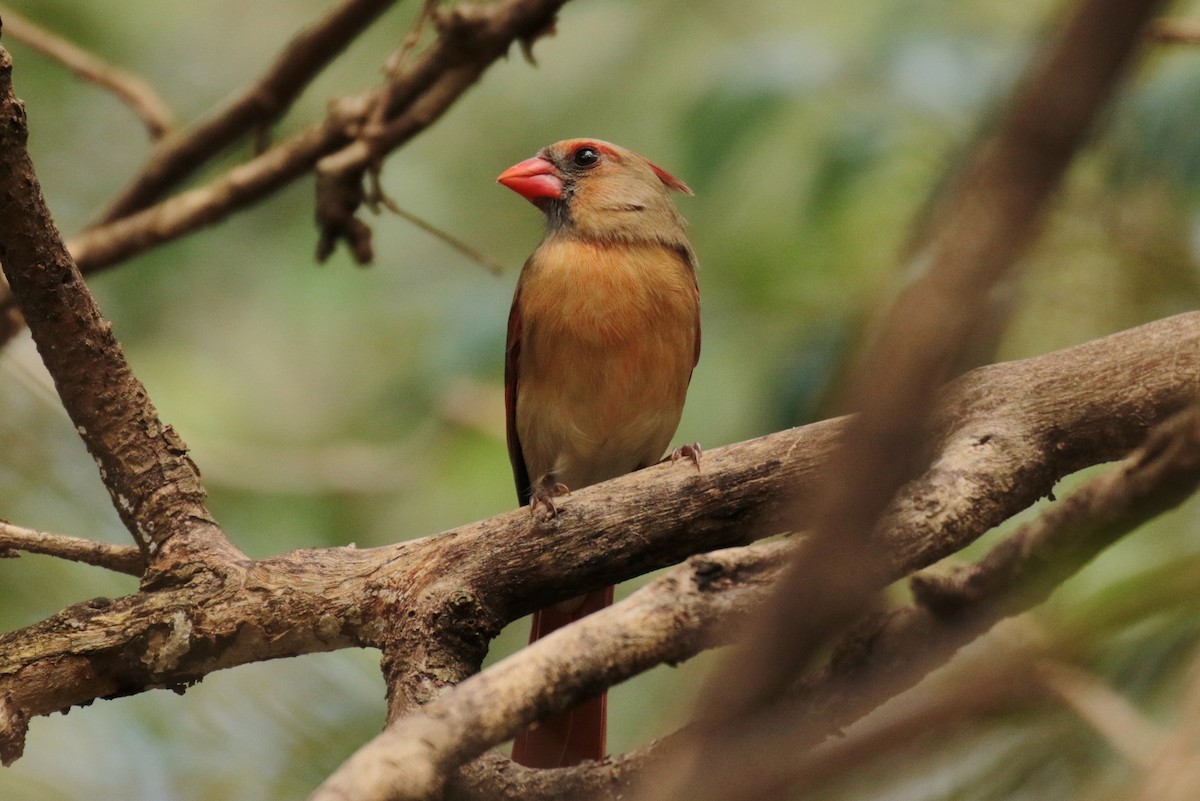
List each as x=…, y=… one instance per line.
x=1175, y=30
x=257, y=107
x=468, y=581
x=890, y=652
x=980, y=230
x=135, y=92
x=878, y=658
x=472, y=38
x=692, y=608
x=119, y=558
x=154, y=486
x=410, y=100
x=106, y=245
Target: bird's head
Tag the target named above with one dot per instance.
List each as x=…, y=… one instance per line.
x=599, y=190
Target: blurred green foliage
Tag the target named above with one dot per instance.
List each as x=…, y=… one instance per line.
x=334, y=404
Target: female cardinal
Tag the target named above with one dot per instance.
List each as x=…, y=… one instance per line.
x=602, y=338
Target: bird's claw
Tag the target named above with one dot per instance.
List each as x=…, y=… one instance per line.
x=544, y=493
x=692, y=452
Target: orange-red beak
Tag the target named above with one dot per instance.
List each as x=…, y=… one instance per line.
x=533, y=179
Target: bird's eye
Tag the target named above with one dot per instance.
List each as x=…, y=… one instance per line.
x=585, y=156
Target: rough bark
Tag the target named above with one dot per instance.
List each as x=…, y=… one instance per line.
x=154, y=485
x=434, y=598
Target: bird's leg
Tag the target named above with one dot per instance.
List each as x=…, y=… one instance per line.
x=692, y=452
x=545, y=490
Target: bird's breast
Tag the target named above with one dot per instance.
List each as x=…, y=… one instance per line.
x=607, y=350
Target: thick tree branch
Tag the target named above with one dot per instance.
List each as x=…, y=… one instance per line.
x=888, y=653
x=675, y=617
x=127, y=87
x=154, y=486
x=1018, y=573
x=1079, y=413
x=120, y=558
x=892, y=651
x=979, y=232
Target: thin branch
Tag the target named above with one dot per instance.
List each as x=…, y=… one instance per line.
x=416, y=93
x=154, y=486
x=105, y=245
x=1174, y=30
x=394, y=68
x=474, y=254
x=127, y=87
x=475, y=38
x=258, y=106
x=119, y=558
x=472, y=38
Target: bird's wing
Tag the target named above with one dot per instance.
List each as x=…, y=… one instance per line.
x=512, y=356
x=689, y=262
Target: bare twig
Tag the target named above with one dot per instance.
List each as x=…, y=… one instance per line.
x=478, y=37
x=416, y=93
x=119, y=558
x=474, y=254
x=129, y=88
x=109, y=244
x=1174, y=30
x=394, y=66
x=258, y=106
x=473, y=37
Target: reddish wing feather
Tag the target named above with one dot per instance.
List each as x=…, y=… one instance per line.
x=512, y=355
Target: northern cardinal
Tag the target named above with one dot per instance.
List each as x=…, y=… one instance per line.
x=602, y=338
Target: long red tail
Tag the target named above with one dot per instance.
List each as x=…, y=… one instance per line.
x=570, y=737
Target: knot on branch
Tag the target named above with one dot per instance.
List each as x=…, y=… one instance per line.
x=339, y=196
x=470, y=24
x=14, y=724
x=710, y=575
x=465, y=623
x=946, y=594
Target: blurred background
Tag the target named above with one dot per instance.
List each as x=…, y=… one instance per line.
x=335, y=404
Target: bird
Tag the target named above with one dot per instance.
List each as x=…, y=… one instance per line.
x=603, y=337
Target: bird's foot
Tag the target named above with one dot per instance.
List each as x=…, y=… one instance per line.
x=544, y=492
x=692, y=452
